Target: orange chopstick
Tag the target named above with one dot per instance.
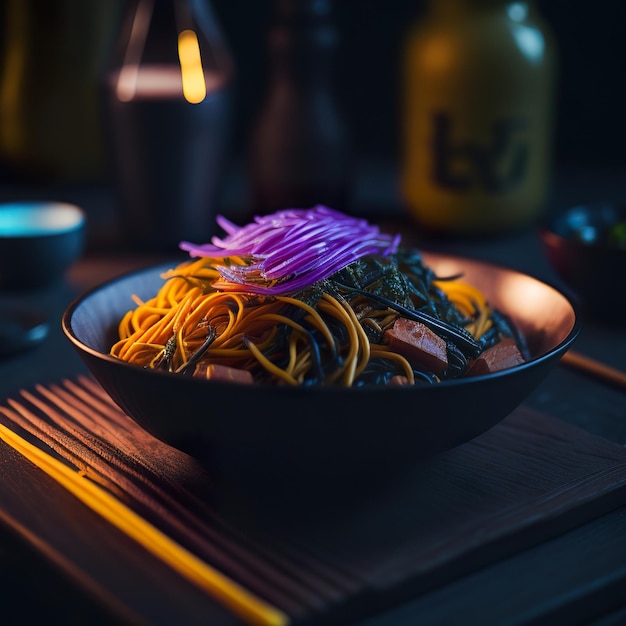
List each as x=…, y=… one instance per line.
x=594, y=368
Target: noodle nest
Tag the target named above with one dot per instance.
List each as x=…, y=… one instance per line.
x=334, y=332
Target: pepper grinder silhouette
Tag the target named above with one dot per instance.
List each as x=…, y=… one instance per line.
x=168, y=104
x=299, y=153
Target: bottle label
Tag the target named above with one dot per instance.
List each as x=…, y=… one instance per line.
x=495, y=164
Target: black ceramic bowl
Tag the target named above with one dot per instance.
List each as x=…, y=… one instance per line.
x=587, y=246
x=38, y=242
x=248, y=431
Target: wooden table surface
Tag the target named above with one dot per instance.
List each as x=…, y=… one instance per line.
x=577, y=576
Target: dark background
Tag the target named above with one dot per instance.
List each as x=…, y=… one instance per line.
x=591, y=105
x=590, y=126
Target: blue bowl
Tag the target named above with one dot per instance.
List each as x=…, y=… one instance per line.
x=38, y=242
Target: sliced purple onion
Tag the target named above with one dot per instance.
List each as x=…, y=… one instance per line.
x=291, y=249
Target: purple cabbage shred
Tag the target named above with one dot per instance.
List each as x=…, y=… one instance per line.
x=289, y=250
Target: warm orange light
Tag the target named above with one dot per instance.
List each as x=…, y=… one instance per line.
x=437, y=55
x=194, y=86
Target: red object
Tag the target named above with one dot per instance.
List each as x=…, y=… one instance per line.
x=396, y=381
x=418, y=344
x=222, y=372
x=499, y=357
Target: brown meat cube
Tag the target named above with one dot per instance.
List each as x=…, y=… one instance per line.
x=418, y=344
x=215, y=371
x=499, y=357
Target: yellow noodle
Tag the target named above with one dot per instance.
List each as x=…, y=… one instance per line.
x=124, y=328
x=484, y=323
x=481, y=324
x=303, y=366
x=271, y=367
x=284, y=320
x=156, y=330
x=320, y=323
x=382, y=352
x=180, y=349
x=471, y=302
x=188, y=305
x=293, y=355
x=362, y=341
x=372, y=323
x=184, y=307
x=468, y=299
x=332, y=306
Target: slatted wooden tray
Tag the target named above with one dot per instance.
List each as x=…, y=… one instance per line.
x=527, y=479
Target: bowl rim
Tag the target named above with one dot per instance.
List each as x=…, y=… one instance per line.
x=555, y=352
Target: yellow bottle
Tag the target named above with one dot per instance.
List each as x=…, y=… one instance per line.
x=477, y=128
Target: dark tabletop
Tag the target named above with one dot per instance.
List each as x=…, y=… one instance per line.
x=577, y=577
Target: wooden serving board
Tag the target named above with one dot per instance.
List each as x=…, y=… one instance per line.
x=526, y=480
